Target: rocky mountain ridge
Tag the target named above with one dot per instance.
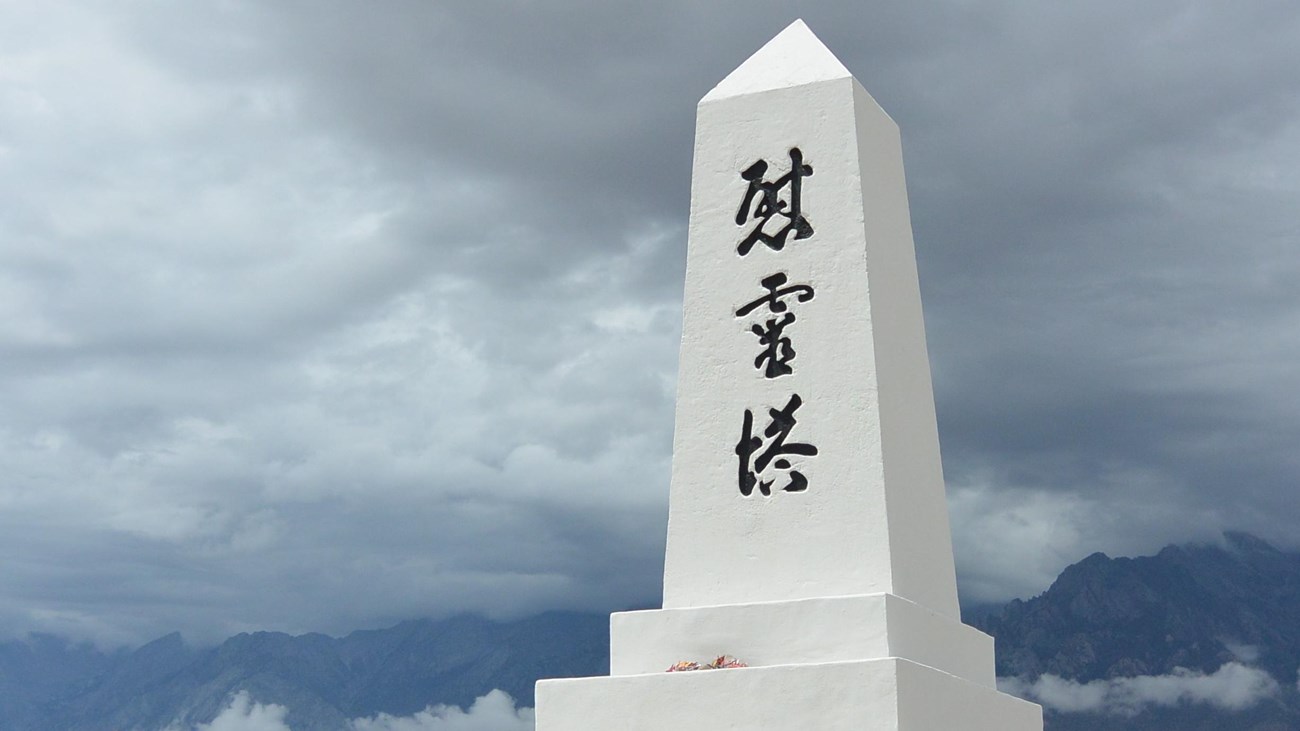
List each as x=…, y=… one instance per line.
x=1195, y=620
x=323, y=681
x=1194, y=606
x=1107, y=629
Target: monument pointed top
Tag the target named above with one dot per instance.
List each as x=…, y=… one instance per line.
x=794, y=57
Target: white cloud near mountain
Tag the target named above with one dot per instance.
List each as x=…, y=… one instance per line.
x=244, y=714
x=1233, y=687
x=494, y=711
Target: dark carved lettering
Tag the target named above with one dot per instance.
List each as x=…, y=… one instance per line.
x=757, y=454
x=764, y=203
x=778, y=351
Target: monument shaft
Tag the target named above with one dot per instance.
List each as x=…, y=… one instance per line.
x=870, y=514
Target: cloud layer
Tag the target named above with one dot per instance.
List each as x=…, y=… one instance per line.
x=1232, y=687
x=494, y=711
x=322, y=317
x=244, y=714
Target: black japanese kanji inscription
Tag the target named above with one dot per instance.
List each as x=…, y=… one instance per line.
x=757, y=454
x=778, y=351
x=764, y=203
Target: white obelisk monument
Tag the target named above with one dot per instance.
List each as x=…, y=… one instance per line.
x=808, y=530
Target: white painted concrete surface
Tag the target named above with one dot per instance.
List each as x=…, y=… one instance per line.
x=873, y=518
x=803, y=631
x=873, y=695
x=840, y=594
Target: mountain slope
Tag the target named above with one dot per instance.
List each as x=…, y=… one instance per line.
x=1110, y=635
x=1195, y=607
x=37, y=671
x=324, y=681
x=1188, y=608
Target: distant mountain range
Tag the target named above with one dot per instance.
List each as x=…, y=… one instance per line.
x=1195, y=637
x=1167, y=620
x=48, y=685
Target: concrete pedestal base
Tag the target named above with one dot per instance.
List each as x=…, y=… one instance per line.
x=888, y=694
x=800, y=632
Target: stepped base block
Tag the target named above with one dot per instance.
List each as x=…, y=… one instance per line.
x=889, y=694
x=800, y=632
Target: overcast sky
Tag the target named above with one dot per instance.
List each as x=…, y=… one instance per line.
x=317, y=316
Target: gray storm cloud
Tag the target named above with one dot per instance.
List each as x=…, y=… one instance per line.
x=318, y=316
